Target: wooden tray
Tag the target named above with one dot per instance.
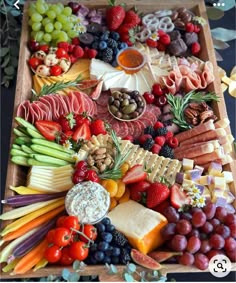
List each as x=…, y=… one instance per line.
x=16, y=174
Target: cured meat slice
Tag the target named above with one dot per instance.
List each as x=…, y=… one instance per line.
x=116, y=127
x=64, y=107
x=38, y=110
x=124, y=129
x=137, y=129
x=80, y=102
x=74, y=102
x=48, y=104
x=103, y=99
x=130, y=128
x=44, y=107
x=68, y=103
x=33, y=113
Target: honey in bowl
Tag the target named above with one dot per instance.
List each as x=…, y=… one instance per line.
x=130, y=60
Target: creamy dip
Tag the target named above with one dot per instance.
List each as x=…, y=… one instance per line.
x=89, y=201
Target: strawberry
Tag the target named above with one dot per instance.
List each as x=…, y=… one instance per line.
x=124, y=32
x=151, y=43
x=134, y=174
x=75, y=41
x=165, y=39
x=82, y=133
x=129, y=138
x=173, y=142
x=72, y=59
x=81, y=119
x=161, y=207
x=195, y=48
x=98, y=127
x=67, y=122
x=132, y=18
x=158, y=125
x=65, y=136
x=189, y=27
x=49, y=129
x=114, y=16
x=137, y=189
x=156, y=148
x=78, y=52
x=64, y=45
x=92, y=53
x=169, y=135
x=156, y=194
x=160, y=140
x=197, y=28
x=143, y=138
x=178, y=198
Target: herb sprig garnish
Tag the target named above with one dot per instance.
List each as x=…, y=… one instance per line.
x=178, y=104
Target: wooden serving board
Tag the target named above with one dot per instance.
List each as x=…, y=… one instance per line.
x=16, y=175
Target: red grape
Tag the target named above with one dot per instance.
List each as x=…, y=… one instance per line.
x=221, y=213
x=205, y=247
x=183, y=227
x=195, y=209
x=230, y=244
x=209, y=210
x=215, y=222
x=207, y=228
x=186, y=215
x=212, y=253
x=186, y=259
x=203, y=236
x=199, y=219
x=193, y=245
x=223, y=230
x=217, y=241
x=232, y=228
x=179, y=243
x=230, y=219
x=201, y=261
x=168, y=231
x=231, y=255
x=195, y=233
x=171, y=214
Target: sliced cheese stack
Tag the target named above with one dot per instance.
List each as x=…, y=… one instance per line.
x=50, y=179
x=158, y=166
x=141, y=225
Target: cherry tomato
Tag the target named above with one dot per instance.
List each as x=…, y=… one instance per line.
x=65, y=259
x=62, y=237
x=61, y=52
x=90, y=231
x=44, y=48
x=60, y=221
x=78, y=251
x=56, y=70
x=50, y=236
x=71, y=222
x=52, y=254
x=34, y=62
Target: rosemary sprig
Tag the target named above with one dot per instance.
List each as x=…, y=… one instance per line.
x=178, y=104
x=115, y=172
x=54, y=88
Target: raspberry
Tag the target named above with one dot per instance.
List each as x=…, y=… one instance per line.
x=71, y=48
x=143, y=138
x=161, y=46
x=156, y=148
x=149, y=97
x=158, y=125
x=169, y=135
x=165, y=39
x=195, y=48
x=129, y=138
x=189, y=27
x=72, y=59
x=151, y=43
x=160, y=140
x=64, y=45
x=78, y=52
x=92, y=53
x=173, y=142
x=75, y=41
x=156, y=90
x=197, y=28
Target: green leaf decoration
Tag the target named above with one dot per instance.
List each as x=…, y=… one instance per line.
x=214, y=13
x=73, y=277
x=223, y=34
x=218, y=56
x=9, y=70
x=128, y=278
x=5, y=62
x=15, y=13
x=65, y=274
x=228, y=4
x=76, y=265
x=131, y=268
x=4, y=51
x=219, y=44
x=162, y=279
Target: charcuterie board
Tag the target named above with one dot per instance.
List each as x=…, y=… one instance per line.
x=16, y=175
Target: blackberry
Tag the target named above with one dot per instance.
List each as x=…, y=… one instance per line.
x=148, y=144
x=111, y=43
x=95, y=45
x=166, y=151
x=119, y=239
x=161, y=131
x=149, y=130
x=107, y=55
x=125, y=256
x=114, y=35
x=105, y=35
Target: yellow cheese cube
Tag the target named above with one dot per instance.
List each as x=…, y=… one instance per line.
x=187, y=164
x=206, y=193
x=215, y=169
x=205, y=180
x=218, y=197
x=141, y=225
x=220, y=183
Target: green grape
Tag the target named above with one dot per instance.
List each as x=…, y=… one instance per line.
x=36, y=17
x=62, y=18
x=73, y=19
x=31, y=11
x=56, y=9
x=39, y=36
x=72, y=33
x=51, y=14
x=36, y=26
x=60, y=5
x=47, y=6
x=47, y=37
x=40, y=8
x=58, y=25
x=55, y=34
x=30, y=22
x=49, y=27
x=67, y=11
x=32, y=5
x=33, y=34
x=68, y=26
x=40, y=1
x=63, y=36
x=46, y=21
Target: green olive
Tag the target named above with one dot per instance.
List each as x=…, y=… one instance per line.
x=129, y=108
x=119, y=114
x=111, y=100
x=135, y=114
x=125, y=117
x=113, y=109
x=125, y=102
x=116, y=103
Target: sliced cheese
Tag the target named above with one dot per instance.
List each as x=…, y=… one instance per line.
x=142, y=227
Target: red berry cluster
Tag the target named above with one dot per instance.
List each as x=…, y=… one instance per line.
x=190, y=27
x=161, y=44
x=82, y=173
x=156, y=96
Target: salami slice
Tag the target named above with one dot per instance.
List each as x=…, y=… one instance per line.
x=124, y=130
x=137, y=129
x=116, y=127
x=130, y=128
x=103, y=99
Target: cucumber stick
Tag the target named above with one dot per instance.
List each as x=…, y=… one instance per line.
x=26, y=124
x=34, y=134
x=49, y=159
x=33, y=162
x=19, y=133
x=17, y=152
x=23, y=140
x=26, y=149
x=16, y=146
x=52, y=152
x=20, y=160
x=52, y=145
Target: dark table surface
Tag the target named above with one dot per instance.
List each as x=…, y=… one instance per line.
x=229, y=55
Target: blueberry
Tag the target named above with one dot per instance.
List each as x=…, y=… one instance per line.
x=102, y=45
x=115, y=51
x=115, y=259
x=93, y=248
x=106, y=221
x=114, y=35
x=95, y=45
x=114, y=63
x=99, y=256
x=109, y=251
x=116, y=251
x=110, y=228
x=122, y=45
x=105, y=35
x=100, y=227
x=107, y=237
x=103, y=246
x=106, y=259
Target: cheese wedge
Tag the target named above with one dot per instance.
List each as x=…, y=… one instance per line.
x=141, y=225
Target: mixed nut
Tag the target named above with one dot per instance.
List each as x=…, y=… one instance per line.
x=126, y=105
